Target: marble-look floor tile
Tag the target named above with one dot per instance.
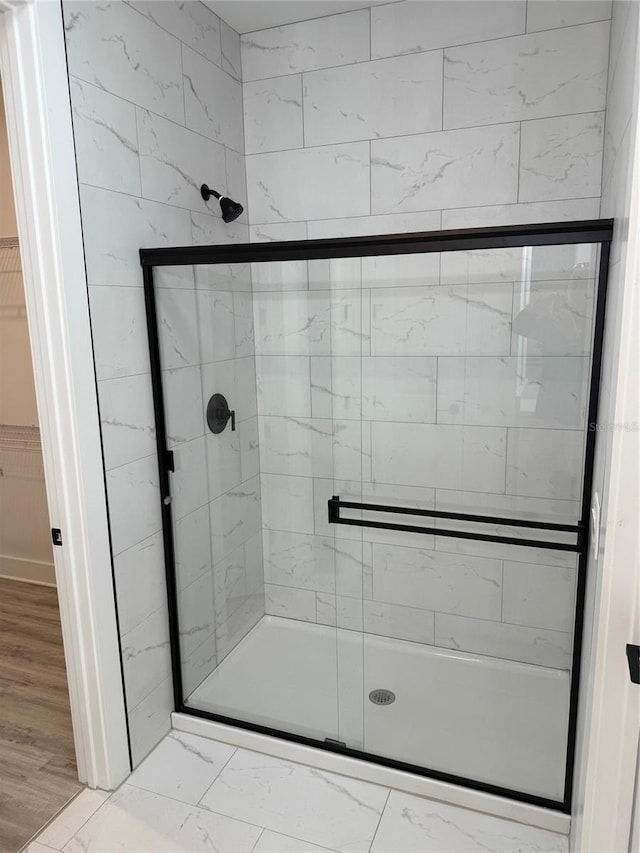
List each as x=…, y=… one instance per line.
x=274, y=842
x=537, y=75
x=415, y=27
x=316, y=806
x=319, y=43
x=73, y=816
x=150, y=823
x=415, y=825
x=445, y=169
x=369, y=100
x=561, y=157
x=182, y=767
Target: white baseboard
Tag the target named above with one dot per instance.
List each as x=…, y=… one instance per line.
x=375, y=773
x=27, y=571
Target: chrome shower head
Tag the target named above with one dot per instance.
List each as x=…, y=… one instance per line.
x=230, y=209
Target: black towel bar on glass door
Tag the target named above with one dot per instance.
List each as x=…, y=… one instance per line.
x=335, y=505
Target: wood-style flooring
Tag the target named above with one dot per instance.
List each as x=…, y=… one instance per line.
x=37, y=759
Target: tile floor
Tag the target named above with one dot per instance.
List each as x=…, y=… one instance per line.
x=193, y=794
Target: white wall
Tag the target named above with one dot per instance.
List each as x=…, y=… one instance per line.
x=421, y=116
x=25, y=543
x=157, y=112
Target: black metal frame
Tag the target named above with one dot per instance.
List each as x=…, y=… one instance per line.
x=592, y=231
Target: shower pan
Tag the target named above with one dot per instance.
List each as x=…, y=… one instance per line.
x=375, y=460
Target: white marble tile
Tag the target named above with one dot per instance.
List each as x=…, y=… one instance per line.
x=445, y=169
x=146, y=659
x=127, y=419
x=63, y=827
x=413, y=270
x=189, y=479
x=236, y=379
x=521, y=214
x=513, y=391
x=388, y=97
x=549, y=14
x=319, y=43
x=273, y=842
x=243, y=324
x=273, y=114
x=150, y=822
x=278, y=231
x=229, y=585
x=402, y=623
x=347, y=490
x=116, y=227
x=237, y=626
x=192, y=545
x=172, y=160
x=336, y=387
x=134, y=502
x=441, y=456
x=114, y=47
x=283, y=385
x=216, y=325
x=332, y=180
x=249, y=449
x=192, y=23
x=310, y=562
x=182, y=767
x=184, y=406
x=296, y=323
x=399, y=389
x=416, y=27
x=235, y=278
x=254, y=564
x=290, y=603
x=210, y=228
x=310, y=447
x=416, y=825
x=224, y=461
x=531, y=76
x=395, y=495
x=561, y=157
x=176, y=314
x=497, y=639
x=195, y=614
x=140, y=581
x=321, y=807
x=106, y=139
x=287, y=503
x=335, y=273
x=235, y=518
x=434, y=580
x=199, y=665
x=538, y=596
x=150, y=720
x=363, y=226
x=230, y=50
x=441, y=320
x=553, y=318
x=36, y=847
x=280, y=275
x=118, y=329
x=545, y=463
x=212, y=102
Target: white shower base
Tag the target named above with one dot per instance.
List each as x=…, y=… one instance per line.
x=482, y=718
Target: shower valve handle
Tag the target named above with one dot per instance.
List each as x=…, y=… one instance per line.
x=219, y=414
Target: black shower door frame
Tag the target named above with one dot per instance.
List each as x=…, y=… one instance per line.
x=598, y=231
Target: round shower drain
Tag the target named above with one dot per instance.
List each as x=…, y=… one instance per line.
x=382, y=697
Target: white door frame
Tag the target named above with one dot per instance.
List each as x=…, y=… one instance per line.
x=33, y=70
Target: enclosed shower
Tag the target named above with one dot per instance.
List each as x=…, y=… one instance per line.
x=375, y=464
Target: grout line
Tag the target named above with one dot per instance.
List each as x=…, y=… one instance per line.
x=519, y=164
x=384, y=808
x=218, y=774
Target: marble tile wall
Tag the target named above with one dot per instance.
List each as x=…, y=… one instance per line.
x=422, y=380
x=157, y=110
